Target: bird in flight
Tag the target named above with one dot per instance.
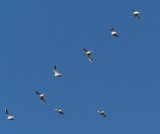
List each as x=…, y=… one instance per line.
x=41, y=96
x=59, y=111
x=56, y=74
x=88, y=53
x=10, y=117
x=101, y=112
x=135, y=13
x=113, y=32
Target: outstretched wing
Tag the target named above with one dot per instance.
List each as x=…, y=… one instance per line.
x=55, y=69
x=38, y=93
x=112, y=29
x=85, y=50
x=42, y=98
x=89, y=57
x=6, y=112
x=133, y=10
x=61, y=112
x=115, y=35
x=104, y=115
x=136, y=15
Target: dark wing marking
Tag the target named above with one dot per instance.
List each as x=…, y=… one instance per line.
x=115, y=35
x=54, y=69
x=61, y=112
x=104, y=115
x=38, y=93
x=112, y=29
x=85, y=50
x=136, y=15
x=133, y=10
x=89, y=57
x=6, y=111
x=42, y=98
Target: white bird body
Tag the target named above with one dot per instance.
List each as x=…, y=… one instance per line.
x=10, y=117
x=101, y=112
x=113, y=32
x=136, y=12
x=59, y=111
x=41, y=95
x=89, y=52
x=56, y=74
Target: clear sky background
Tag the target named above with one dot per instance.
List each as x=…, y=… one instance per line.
x=123, y=80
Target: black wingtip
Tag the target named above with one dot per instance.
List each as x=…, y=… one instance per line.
x=116, y=35
x=138, y=18
x=44, y=102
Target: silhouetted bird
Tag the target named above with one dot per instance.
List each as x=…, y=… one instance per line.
x=113, y=32
x=41, y=96
x=135, y=13
x=88, y=53
x=10, y=117
x=56, y=74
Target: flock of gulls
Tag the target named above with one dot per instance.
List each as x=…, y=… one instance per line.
x=57, y=74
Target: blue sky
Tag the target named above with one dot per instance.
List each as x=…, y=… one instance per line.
x=123, y=80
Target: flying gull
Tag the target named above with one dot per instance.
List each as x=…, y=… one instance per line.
x=88, y=53
x=135, y=13
x=56, y=74
x=113, y=32
x=59, y=111
x=10, y=117
x=41, y=96
x=101, y=112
